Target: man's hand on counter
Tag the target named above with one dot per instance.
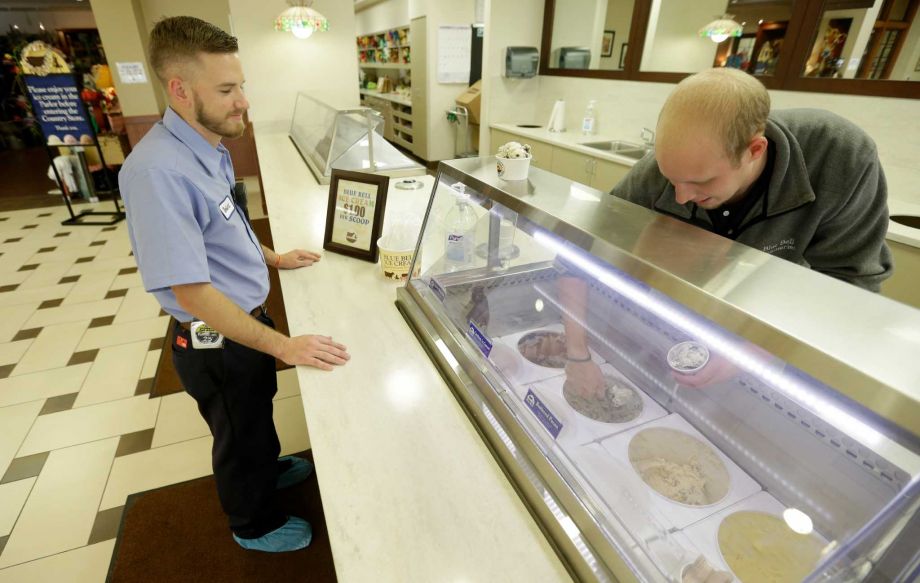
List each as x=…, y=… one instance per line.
x=298, y=258
x=291, y=260
x=314, y=350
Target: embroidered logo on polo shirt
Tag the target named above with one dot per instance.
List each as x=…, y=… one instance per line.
x=227, y=207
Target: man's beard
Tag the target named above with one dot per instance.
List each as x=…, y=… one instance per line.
x=223, y=127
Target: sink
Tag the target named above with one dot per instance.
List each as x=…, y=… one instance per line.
x=634, y=154
x=614, y=146
x=620, y=148
x=528, y=125
x=906, y=220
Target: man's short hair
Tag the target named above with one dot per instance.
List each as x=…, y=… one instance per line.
x=181, y=38
x=733, y=103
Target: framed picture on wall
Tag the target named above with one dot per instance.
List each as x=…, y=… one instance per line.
x=607, y=43
x=623, y=47
x=354, y=216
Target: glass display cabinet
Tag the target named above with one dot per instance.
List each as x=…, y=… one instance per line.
x=329, y=137
x=671, y=405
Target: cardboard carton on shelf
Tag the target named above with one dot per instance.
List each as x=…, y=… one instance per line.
x=471, y=99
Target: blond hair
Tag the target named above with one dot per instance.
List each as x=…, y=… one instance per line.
x=733, y=103
x=181, y=38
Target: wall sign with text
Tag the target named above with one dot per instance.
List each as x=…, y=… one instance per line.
x=354, y=216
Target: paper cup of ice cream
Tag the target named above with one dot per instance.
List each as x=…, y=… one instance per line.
x=688, y=357
x=396, y=260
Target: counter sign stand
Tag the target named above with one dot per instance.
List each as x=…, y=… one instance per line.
x=64, y=121
x=354, y=217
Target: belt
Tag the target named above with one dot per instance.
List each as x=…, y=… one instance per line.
x=255, y=313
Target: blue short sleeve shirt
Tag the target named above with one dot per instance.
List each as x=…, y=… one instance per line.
x=183, y=224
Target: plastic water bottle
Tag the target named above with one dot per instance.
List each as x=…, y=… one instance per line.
x=589, y=121
x=460, y=227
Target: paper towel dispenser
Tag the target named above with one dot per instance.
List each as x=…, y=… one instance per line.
x=521, y=62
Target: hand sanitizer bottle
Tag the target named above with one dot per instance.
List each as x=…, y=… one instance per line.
x=588, y=123
x=460, y=227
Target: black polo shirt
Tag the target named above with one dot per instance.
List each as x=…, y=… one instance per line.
x=727, y=219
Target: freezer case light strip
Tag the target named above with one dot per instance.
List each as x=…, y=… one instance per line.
x=714, y=339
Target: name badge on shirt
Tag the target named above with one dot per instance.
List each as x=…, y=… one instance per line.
x=227, y=207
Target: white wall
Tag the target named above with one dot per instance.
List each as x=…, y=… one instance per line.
x=388, y=14
x=28, y=20
x=673, y=43
x=439, y=96
x=277, y=65
x=508, y=100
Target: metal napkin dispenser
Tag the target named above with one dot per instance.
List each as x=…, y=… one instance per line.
x=521, y=62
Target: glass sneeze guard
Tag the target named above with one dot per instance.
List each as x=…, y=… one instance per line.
x=347, y=138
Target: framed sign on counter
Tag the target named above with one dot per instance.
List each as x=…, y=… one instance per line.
x=354, y=215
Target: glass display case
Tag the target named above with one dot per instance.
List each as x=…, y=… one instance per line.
x=671, y=405
x=330, y=137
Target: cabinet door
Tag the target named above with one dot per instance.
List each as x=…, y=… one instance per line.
x=607, y=174
x=572, y=165
x=499, y=137
x=542, y=155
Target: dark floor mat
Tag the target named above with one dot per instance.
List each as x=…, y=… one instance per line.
x=179, y=533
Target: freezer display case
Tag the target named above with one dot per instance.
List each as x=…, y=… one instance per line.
x=346, y=138
x=671, y=405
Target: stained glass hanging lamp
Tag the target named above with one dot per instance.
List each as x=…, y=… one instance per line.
x=301, y=20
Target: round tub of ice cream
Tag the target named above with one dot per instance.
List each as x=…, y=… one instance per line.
x=543, y=348
x=759, y=547
x=679, y=466
x=619, y=403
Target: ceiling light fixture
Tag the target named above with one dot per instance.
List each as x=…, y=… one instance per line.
x=301, y=20
x=721, y=28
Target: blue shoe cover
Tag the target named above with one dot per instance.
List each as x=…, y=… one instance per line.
x=299, y=470
x=293, y=535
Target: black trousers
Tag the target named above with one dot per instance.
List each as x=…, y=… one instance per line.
x=233, y=387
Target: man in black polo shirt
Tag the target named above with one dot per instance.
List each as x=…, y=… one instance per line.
x=805, y=185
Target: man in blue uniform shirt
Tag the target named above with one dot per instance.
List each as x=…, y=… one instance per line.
x=197, y=253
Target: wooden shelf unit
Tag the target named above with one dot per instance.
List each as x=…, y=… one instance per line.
x=397, y=113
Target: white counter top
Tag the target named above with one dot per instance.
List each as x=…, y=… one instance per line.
x=410, y=491
x=394, y=97
x=903, y=233
x=572, y=140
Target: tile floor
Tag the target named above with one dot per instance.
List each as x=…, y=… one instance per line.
x=79, y=344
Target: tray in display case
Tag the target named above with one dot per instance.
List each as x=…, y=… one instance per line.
x=790, y=412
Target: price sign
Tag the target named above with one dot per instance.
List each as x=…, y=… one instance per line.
x=354, y=217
